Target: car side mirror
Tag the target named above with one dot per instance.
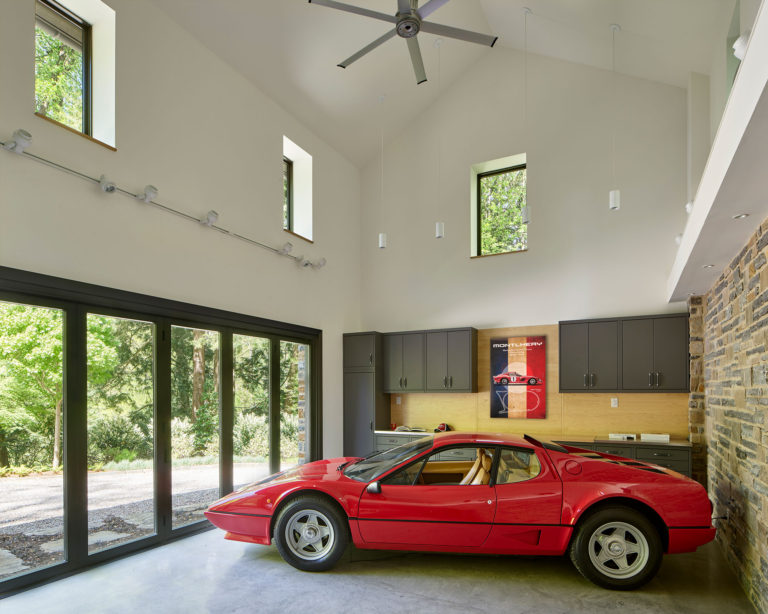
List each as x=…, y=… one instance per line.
x=374, y=488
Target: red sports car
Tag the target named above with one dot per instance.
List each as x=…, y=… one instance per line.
x=513, y=377
x=458, y=492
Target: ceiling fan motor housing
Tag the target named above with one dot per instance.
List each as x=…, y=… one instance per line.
x=408, y=25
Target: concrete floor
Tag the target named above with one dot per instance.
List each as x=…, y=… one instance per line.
x=205, y=573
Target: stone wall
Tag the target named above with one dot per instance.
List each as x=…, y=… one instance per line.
x=696, y=409
x=735, y=362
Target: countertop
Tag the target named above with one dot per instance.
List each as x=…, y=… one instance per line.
x=601, y=439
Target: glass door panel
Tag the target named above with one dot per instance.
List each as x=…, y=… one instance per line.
x=121, y=413
x=251, y=425
x=294, y=403
x=195, y=401
x=31, y=419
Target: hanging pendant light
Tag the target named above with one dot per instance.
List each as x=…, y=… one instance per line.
x=614, y=195
x=382, y=235
x=525, y=212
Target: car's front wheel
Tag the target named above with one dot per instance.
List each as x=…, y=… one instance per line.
x=617, y=548
x=311, y=534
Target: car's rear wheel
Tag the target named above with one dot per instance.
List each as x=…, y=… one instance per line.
x=617, y=548
x=311, y=534
x=532, y=381
x=504, y=380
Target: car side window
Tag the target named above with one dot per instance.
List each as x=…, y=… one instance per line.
x=516, y=465
x=460, y=466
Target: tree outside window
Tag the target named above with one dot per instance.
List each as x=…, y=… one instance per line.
x=501, y=196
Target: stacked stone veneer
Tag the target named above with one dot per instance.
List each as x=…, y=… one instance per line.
x=729, y=387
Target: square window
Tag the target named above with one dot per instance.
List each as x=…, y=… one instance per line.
x=62, y=66
x=501, y=211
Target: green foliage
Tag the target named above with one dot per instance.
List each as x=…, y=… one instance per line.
x=58, y=80
x=113, y=437
x=502, y=198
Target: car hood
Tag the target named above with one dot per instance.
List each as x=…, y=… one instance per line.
x=321, y=470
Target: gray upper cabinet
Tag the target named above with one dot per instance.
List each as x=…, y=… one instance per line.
x=452, y=360
x=589, y=356
x=643, y=354
x=404, y=368
x=655, y=354
x=360, y=351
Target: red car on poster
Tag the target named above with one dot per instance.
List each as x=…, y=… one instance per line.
x=513, y=377
x=458, y=492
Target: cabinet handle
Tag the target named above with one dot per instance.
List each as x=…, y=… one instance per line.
x=650, y=379
x=450, y=381
x=662, y=454
x=591, y=380
x=586, y=383
x=370, y=359
x=658, y=378
x=445, y=382
x=405, y=382
x=401, y=382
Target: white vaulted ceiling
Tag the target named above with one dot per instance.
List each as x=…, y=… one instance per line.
x=290, y=48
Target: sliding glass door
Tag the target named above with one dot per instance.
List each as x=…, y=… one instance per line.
x=294, y=403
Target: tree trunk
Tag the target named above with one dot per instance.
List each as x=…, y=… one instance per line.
x=57, y=435
x=4, y=460
x=198, y=373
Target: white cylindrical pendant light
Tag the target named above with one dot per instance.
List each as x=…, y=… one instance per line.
x=382, y=240
x=614, y=200
x=439, y=230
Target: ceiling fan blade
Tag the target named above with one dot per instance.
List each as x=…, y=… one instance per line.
x=367, y=48
x=355, y=9
x=403, y=6
x=418, y=63
x=430, y=7
x=464, y=35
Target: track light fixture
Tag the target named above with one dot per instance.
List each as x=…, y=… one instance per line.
x=106, y=185
x=306, y=263
x=286, y=248
x=740, y=45
x=150, y=193
x=21, y=140
x=210, y=218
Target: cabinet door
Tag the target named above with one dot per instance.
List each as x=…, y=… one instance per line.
x=413, y=362
x=670, y=353
x=437, y=360
x=637, y=355
x=393, y=363
x=359, y=351
x=604, y=355
x=359, y=407
x=573, y=356
x=459, y=359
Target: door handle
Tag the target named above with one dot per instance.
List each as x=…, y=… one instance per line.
x=650, y=379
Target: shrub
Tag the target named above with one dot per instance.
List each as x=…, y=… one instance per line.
x=111, y=433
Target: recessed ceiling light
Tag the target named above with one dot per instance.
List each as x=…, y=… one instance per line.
x=740, y=216
x=708, y=266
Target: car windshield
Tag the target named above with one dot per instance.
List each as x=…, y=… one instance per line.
x=370, y=468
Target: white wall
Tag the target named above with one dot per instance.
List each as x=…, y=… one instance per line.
x=208, y=139
x=583, y=260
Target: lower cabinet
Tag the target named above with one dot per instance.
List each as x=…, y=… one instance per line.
x=385, y=441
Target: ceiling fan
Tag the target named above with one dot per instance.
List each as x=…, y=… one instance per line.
x=409, y=21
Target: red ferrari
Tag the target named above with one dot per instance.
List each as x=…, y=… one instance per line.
x=458, y=492
x=513, y=377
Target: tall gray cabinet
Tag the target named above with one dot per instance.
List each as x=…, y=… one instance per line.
x=366, y=407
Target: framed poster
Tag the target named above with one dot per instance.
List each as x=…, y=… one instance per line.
x=518, y=370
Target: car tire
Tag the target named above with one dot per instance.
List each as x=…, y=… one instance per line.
x=311, y=534
x=503, y=381
x=617, y=548
x=533, y=381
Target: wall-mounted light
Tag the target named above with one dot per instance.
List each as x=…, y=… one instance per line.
x=678, y=239
x=439, y=230
x=21, y=140
x=614, y=200
x=210, y=218
x=382, y=240
x=106, y=185
x=740, y=45
x=689, y=207
x=150, y=193
x=708, y=266
x=741, y=216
